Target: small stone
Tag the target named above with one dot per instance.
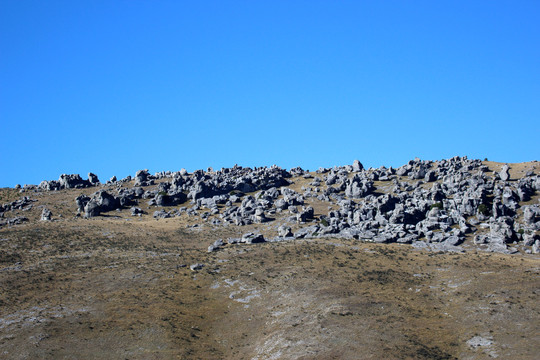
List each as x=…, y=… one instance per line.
x=195, y=267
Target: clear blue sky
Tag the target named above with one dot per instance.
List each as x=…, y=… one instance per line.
x=116, y=86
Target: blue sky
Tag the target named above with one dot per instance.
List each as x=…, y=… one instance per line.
x=116, y=86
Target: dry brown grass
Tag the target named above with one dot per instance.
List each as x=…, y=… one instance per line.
x=113, y=289
x=517, y=170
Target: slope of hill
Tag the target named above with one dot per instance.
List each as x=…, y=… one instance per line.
x=432, y=260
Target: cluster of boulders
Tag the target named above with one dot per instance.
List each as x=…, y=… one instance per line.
x=17, y=220
x=25, y=203
x=259, y=208
x=439, y=204
x=69, y=181
x=430, y=204
x=99, y=203
x=205, y=190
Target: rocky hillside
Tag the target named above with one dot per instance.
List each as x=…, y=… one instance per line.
x=429, y=204
x=431, y=260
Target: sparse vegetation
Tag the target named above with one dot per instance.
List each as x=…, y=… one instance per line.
x=483, y=209
x=438, y=205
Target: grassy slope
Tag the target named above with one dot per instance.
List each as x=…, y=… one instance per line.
x=115, y=287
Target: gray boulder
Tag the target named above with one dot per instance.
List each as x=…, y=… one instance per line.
x=503, y=227
x=403, y=170
x=49, y=185
x=308, y=231
x=430, y=176
x=216, y=245
x=356, y=188
x=93, y=179
x=281, y=204
x=252, y=238
x=46, y=215
x=528, y=238
x=494, y=242
x=135, y=211
x=504, y=174
x=293, y=209
x=418, y=173
x=195, y=267
x=536, y=247
x=284, y=231
x=357, y=166
x=305, y=215
x=316, y=181
x=70, y=181
x=92, y=209
x=142, y=177
x=161, y=199
x=161, y=214
x=106, y=201
x=259, y=216
x=529, y=214
x=81, y=202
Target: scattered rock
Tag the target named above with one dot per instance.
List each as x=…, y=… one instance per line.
x=46, y=215
x=479, y=341
x=251, y=238
x=135, y=211
x=17, y=220
x=284, y=231
x=196, y=267
x=161, y=214
x=216, y=245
